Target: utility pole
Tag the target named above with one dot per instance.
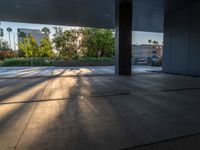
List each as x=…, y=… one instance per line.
x=9, y=40
x=14, y=41
x=9, y=31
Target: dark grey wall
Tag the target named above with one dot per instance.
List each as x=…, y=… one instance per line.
x=182, y=41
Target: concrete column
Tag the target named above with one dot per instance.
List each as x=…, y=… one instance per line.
x=123, y=49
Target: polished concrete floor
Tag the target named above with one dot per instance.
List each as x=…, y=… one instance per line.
x=97, y=112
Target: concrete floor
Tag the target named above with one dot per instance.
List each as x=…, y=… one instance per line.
x=97, y=112
x=67, y=71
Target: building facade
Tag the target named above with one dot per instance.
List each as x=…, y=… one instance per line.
x=37, y=34
x=145, y=53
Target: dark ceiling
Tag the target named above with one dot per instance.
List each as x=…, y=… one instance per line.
x=148, y=15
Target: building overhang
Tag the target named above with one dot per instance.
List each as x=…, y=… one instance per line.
x=148, y=15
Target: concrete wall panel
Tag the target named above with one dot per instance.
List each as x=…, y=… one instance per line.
x=167, y=54
x=179, y=54
x=180, y=22
x=195, y=17
x=183, y=30
x=194, y=55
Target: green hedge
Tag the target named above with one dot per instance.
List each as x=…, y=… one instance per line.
x=94, y=59
x=48, y=62
x=1, y=62
x=27, y=62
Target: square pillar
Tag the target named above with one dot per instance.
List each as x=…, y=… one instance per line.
x=123, y=50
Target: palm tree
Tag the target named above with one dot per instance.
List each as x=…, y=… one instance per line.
x=154, y=45
x=1, y=32
x=46, y=31
x=149, y=41
x=9, y=31
x=22, y=35
x=155, y=42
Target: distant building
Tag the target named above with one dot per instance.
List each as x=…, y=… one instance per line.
x=38, y=35
x=144, y=53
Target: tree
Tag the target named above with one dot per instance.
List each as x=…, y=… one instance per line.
x=86, y=41
x=67, y=43
x=46, y=31
x=149, y=41
x=98, y=42
x=22, y=35
x=153, y=42
x=9, y=31
x=58, y=38
x=29, y=46
x=46, y=49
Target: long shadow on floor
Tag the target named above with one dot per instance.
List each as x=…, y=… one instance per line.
x=113, y=122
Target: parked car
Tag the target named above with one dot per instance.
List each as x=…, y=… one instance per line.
x=141, y=61
x=156, y=61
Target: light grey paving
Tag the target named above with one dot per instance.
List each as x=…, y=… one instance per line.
x=67, y=71
x=97, y=112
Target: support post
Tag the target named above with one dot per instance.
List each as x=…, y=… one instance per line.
x=123, y=51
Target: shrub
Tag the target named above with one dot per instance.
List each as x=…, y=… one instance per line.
x=94, y=59
x=1, y=62
x=50, y=62
x=7, y=54
x=27, y=62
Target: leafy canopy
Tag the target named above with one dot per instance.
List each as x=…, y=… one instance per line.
x=30, y=47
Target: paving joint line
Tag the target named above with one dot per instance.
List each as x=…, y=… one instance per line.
x=161, y=141
x=29, y=120
x=102, y=95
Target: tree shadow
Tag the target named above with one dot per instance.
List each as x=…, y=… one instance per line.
x=109, y=122
x=13, y=120
x=19, y=86
x=81, y=123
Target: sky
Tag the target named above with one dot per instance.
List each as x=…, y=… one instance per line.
x=138, y=37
